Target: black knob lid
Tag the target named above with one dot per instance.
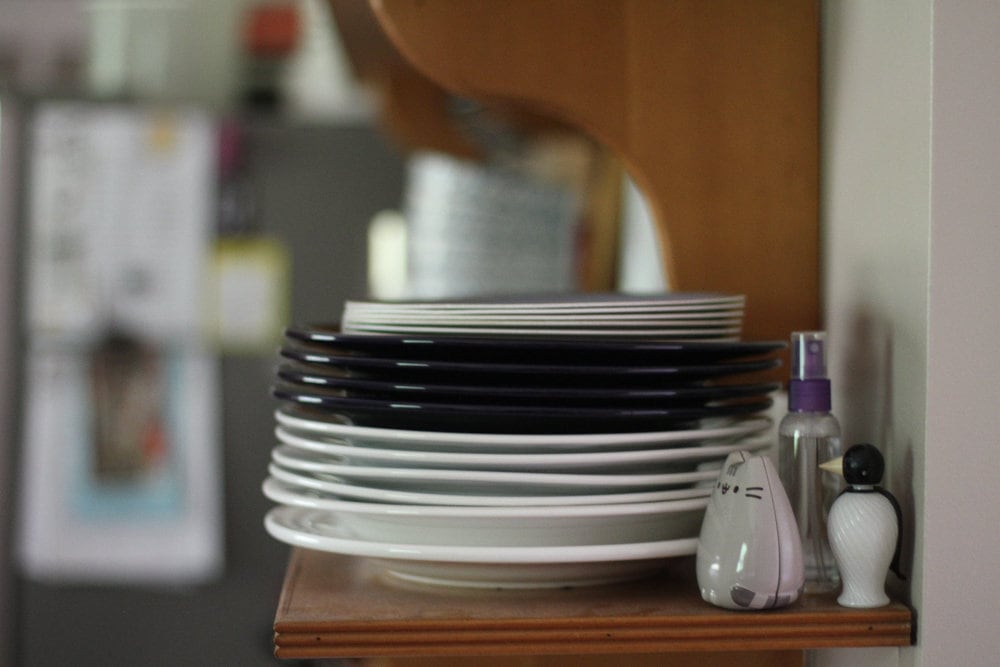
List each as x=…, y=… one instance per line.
x=863, y=464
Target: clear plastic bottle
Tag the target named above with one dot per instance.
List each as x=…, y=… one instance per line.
x=808, y=436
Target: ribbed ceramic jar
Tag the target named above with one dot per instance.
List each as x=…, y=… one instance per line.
x=863, y=529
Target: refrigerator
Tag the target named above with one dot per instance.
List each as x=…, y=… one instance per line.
x=308, y=192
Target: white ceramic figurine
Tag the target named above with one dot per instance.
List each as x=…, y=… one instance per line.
x=863, y=525
x=749, y=551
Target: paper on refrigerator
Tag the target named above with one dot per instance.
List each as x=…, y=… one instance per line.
x=120, y=213
x=120, y=437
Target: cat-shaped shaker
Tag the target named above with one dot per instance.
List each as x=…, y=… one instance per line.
x=749, y=551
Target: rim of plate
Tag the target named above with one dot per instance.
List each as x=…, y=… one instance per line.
x=741, y=427
x=315, y=529
x=520, y=460
x=373, y=494
x=552, y=480
x=285, y=493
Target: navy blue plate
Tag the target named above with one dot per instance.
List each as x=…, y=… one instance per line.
x=508, y=418
x=573, y=394
x=464, y=372
x=542, y=350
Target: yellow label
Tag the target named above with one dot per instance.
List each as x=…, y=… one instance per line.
x=250, y=294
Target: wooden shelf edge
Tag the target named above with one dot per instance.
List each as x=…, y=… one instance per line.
x=337, y=607
x=891, y=619
x=345, y=649
x=459, y=641
x=529, y=649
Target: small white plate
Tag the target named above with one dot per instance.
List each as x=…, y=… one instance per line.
x=690, y=335
x=556, y=525
x=479, y=566
x=686, y=319
x=339, y=489
x=561, y=303
x=623, y=460
x=509, y=482
x=454, y=441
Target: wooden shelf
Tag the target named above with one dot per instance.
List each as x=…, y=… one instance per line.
x=712, y=108
x=335, y=606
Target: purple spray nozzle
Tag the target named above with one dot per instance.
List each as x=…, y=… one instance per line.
x=808, y=355
x=809, y=389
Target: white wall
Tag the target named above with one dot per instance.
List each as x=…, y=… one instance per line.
x=961, y=532
x=876, y=218
x=876, y=221
x=912, y=287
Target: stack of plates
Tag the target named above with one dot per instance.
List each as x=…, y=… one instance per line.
x=515, y=457
x=685, y=316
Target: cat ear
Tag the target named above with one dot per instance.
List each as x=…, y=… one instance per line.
x=734, y=461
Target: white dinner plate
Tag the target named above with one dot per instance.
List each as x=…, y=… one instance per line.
x=621, y=460
x=508, y=482
x=373, y=436
x=557, y=525
x=712, y=318
x=558, y=303
x=693, y=335
x=338, y=489
x=479, y=566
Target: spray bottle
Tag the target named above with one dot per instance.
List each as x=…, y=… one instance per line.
x=808, y=436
